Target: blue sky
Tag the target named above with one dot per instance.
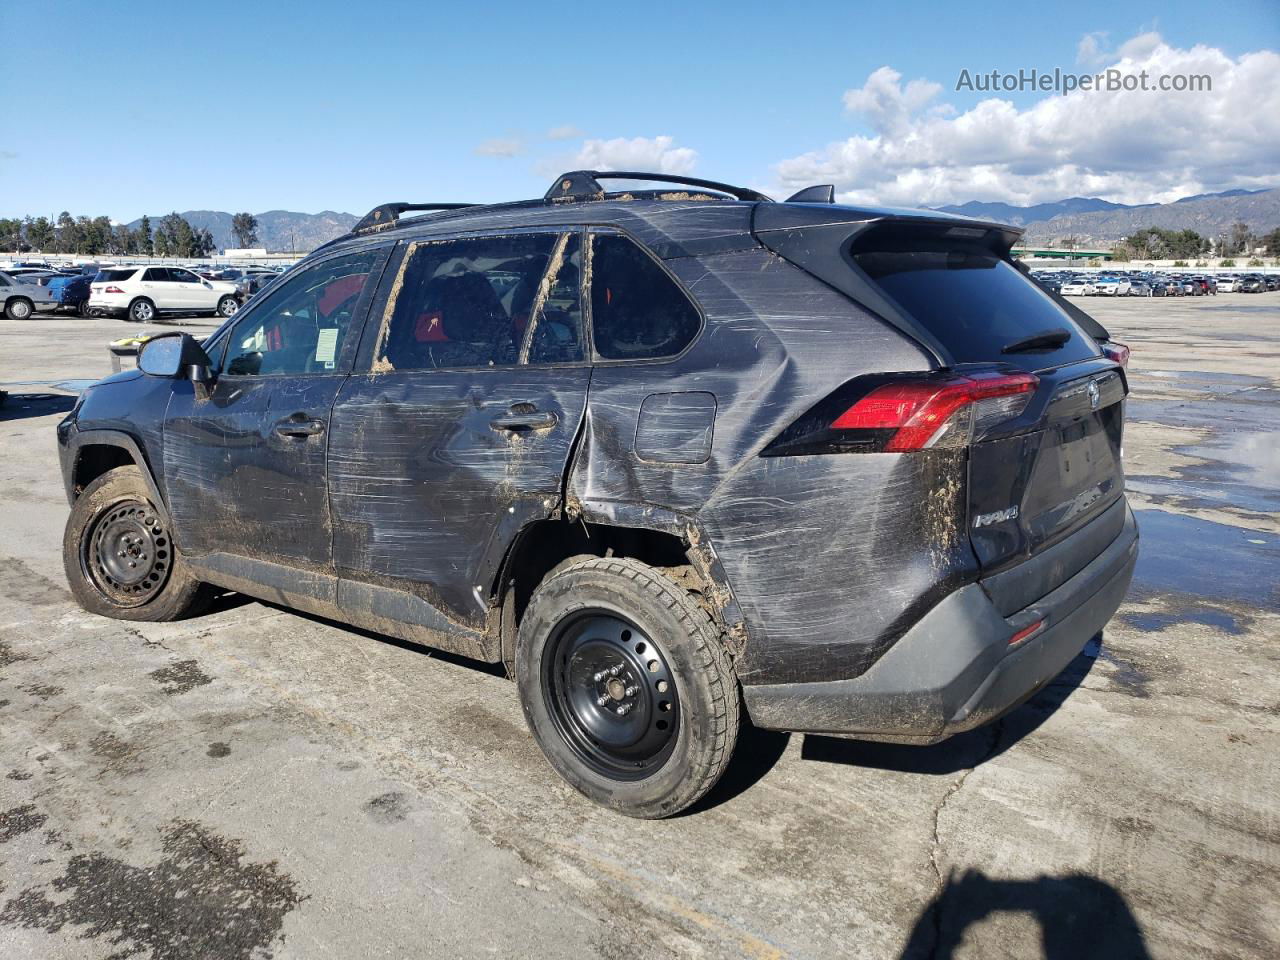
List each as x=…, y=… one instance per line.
x=134, y=107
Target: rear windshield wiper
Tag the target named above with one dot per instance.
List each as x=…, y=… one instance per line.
x=1044, y=340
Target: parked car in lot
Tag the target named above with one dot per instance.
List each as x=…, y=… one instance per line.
x=72, y=292
x=1078, y=287
x=1050, y=282
x=143, y=293
x=1227, y=284
x=555, y=434
x=20, y=300
x=1272, y=281
x=37, y=276
x=1252, y=284
x=1139, y=288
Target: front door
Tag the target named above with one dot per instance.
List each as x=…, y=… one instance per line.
x=245, y=464
x=191, y=291
x=457, y=425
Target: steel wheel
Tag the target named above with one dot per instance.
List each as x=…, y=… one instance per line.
x=611, y=694
x=126, y=555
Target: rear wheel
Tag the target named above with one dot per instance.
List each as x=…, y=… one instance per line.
x=119, y=554
x=142, y=310
x=18, y=308
x=227, y=306
x=627, y=687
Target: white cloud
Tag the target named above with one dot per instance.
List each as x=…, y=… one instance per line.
x=657, y=154
x=1092, y=49
x=499, y=147
x=566, y=132
x=1136, y=147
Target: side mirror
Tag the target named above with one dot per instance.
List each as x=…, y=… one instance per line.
x=172, y=355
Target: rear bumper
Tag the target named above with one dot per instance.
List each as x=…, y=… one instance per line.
x=955, y=669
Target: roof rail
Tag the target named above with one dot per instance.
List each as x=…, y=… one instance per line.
x=585, y=184
x=389, y=213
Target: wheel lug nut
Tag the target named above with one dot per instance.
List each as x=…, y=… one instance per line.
x=601, y=701
x=632, y=691
x=615, y=670
x=600, y=676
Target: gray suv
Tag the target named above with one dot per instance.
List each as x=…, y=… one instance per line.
x=669, y=454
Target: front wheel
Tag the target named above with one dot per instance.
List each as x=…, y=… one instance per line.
x=119, y=555
x=627, y=687
x=227, y=306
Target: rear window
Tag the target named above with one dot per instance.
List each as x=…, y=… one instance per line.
x=637, y=311
x=115, y=276
x=975, y=304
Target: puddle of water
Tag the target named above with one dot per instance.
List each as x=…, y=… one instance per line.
x=1205, y=376
x=1253, y=456
x=1214, y=561
x=1155, y=622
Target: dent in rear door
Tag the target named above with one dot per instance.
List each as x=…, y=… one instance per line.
x=427, y=487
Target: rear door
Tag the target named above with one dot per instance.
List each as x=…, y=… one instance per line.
x=457, y=425
x=159, y=287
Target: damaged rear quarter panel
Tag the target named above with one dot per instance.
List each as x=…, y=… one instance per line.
x=826, y=555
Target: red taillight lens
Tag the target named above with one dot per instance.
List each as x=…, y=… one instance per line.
x=113, y=290
x=924, y=412
x=1025, y=632
x=1116, y=352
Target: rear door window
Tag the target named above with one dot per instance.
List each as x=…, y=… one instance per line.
x=976, y=304
x=638, y=312
x=114, y=276
x=484, y=302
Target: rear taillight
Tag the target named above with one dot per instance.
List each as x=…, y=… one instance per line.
x=904, y=414
x=1116, y=352
x=113, y=290
x=924, y=414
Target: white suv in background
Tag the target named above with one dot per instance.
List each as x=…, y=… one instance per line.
x=142, y=293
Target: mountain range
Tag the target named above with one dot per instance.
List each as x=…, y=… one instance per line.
x=280, y=231
x=1089, y=219
x=1092, y=219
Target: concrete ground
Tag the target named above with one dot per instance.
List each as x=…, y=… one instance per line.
x=260, y=783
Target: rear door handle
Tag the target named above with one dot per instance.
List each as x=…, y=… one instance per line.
x=299, y=426
x=525, y=421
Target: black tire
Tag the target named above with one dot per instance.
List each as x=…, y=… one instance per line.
x=119, y=554
x=141, y=310
x=227, y=306
x=668, y=649
x=82, y=309
x=19, y=308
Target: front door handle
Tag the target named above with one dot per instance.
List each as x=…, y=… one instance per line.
x=299, y=426
x=525, y=421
